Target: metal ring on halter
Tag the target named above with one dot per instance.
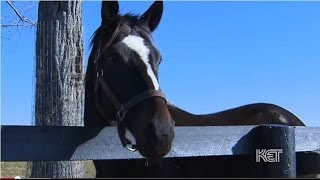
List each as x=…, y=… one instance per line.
x=126, y=143
x=131, y=147
x=121, y=114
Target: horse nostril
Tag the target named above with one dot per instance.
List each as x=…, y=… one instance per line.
x=151, y=134
x=164, y=140
x=158, y=139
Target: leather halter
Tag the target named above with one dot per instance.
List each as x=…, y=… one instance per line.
x=121, y=107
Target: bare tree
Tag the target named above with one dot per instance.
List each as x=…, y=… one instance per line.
x=59, y=78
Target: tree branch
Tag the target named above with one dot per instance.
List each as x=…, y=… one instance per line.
x=22, y=18
x=11, y=25
x=10, y=34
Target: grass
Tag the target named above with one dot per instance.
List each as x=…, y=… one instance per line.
x=13, y=169
x=90, y=170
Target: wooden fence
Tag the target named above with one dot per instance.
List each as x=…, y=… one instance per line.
x=220, y=151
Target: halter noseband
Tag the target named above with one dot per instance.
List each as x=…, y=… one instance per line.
x=121, y=108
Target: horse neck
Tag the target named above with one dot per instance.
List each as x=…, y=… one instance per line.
x=229, y=117
x=184, y=118
x=252, y=114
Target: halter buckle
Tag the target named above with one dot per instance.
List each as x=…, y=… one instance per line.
x=121, y=114
x=100, y=73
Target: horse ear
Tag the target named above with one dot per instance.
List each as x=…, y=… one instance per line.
x=109, y=9
x=153, y=15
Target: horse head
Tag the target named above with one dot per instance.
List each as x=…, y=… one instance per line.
x=126, y=86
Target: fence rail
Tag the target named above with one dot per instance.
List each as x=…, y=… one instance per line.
x=42, y=143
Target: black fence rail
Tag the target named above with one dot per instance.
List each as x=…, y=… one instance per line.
x=220, y=151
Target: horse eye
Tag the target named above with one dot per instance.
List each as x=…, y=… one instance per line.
x=161, y=59
x=113, y=57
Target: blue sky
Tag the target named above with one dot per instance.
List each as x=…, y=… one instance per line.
x=217, y=56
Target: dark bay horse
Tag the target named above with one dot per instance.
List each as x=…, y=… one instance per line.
x=122, y=86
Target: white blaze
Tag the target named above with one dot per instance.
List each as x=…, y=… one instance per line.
x=136, y=44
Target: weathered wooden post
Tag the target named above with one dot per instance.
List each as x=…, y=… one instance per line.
x=59, y=78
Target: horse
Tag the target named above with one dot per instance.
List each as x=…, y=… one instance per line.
x=122, y=81
x=122, y=88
